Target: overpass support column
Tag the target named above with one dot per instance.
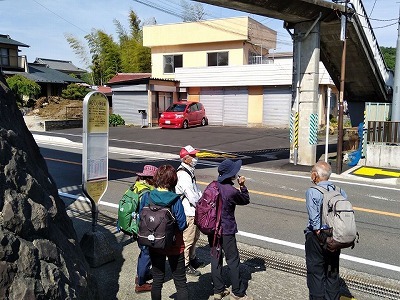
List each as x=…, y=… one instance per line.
x=304, y=122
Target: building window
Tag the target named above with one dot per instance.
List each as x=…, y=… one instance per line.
x=217, y=59
x=171, y=62
x=256, y=59
x=4, y=57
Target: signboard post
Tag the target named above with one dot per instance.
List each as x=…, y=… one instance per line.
x=94, y=243
x=95, y=149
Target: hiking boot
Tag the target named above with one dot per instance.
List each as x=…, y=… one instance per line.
x=143, y=288
x=221, y=295
x=192, y=271
x=196, y=263
x=245, y=297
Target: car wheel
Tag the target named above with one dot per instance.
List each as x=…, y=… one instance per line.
x=203, y=122
x=185, y=124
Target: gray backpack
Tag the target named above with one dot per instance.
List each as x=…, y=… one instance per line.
x=338, y=214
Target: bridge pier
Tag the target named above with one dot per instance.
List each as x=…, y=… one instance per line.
x=304, y=123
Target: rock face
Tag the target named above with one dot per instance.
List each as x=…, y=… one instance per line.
x=40, y=257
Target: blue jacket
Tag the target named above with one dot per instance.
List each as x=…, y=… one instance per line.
x=231, y=197
x=166, y=198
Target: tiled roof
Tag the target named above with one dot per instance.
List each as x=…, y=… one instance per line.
x=104, y=89
x=5, y=39
x=42, y=74
x=123, y=77
x=61, y=65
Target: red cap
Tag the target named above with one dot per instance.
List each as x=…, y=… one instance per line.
x=187, y=150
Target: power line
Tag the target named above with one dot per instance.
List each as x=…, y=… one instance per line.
x=386, y=26
x=54, y=13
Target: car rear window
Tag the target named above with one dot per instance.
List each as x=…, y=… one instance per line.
x=177, y=107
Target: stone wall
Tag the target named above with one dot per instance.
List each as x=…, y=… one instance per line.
x=61, y=124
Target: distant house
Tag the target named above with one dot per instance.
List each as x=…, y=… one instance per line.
x=52, y=81
x=230, y=66
x=66, y=67
x=10, y=60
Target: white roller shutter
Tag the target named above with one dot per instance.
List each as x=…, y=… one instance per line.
x=235, y=107
x=127, y=104
x=213, y=101
x=277, y=106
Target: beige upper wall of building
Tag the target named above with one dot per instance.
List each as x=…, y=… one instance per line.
x=193, y=40
x=230, y=29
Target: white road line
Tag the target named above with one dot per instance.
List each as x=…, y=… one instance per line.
x=62, y=142
x=301, y=247
x=266, y=239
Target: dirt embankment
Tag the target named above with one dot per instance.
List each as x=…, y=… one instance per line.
x=52, y=108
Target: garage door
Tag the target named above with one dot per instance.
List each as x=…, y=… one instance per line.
x=213, y=100
x=127, y=105
x=235, y=107
x=277, y=107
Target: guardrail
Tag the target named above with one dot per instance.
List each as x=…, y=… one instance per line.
x=383, y=132
x=365, y=25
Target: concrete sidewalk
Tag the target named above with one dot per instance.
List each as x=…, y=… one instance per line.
x=260, y=267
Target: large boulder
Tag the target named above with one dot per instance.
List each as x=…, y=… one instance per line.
x=40, y=257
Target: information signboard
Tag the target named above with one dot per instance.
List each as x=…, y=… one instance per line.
x=95, y=146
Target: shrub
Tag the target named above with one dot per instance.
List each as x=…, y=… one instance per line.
x=75, y=92
x=22, y=86
x=115, y=120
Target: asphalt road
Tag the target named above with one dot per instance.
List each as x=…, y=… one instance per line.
x=277, y=188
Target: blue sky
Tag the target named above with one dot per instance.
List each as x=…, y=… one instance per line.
x=42, y=24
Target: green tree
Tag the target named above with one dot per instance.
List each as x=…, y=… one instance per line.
x=75, y=92
x=135, y=58
x=108, y=57
x=389, y=55
x=22, y=86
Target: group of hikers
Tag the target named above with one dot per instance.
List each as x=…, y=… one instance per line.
x=177, y=190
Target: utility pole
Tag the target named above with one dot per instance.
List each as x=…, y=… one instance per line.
x=339, y=158
x=396, y=92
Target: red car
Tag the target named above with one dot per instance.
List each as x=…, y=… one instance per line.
x=183, y=114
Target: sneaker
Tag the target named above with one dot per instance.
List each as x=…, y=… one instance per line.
x=245, y=297
x=221, y=295
x=192, y=271
x=143, y=288
x=196, y=263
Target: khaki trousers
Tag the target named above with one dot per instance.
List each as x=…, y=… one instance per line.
x=190, y=236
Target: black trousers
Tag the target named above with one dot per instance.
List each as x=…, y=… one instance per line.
x=177, y=265
x=322, y=270
x=230, y=250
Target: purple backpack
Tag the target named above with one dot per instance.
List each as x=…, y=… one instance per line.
x=208, y=210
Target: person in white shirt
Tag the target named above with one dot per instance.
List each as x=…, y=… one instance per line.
x=187, y=187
